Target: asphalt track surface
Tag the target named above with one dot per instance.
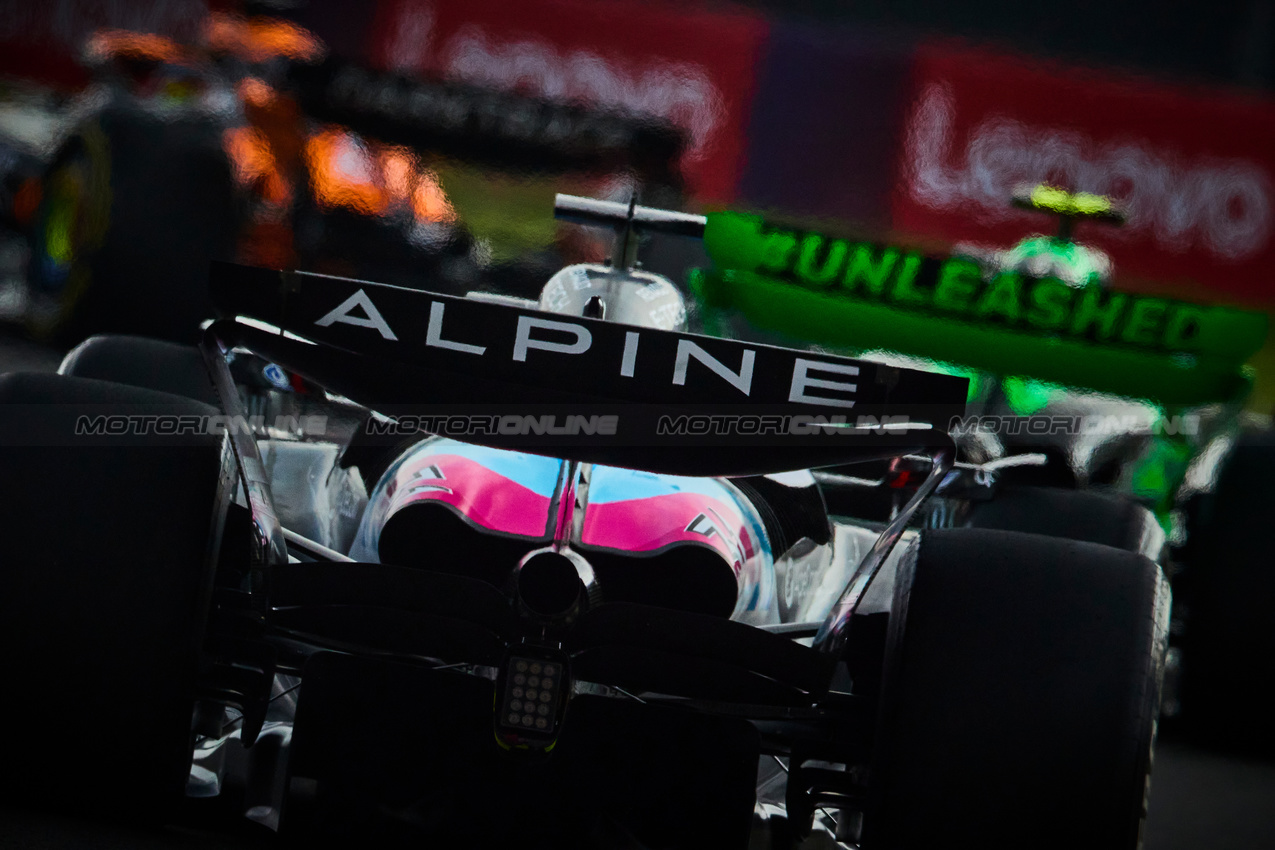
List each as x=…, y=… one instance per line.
x=1200, y=800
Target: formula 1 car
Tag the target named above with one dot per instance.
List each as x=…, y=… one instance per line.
x=460, y=570
x=278, y=155
x=1132, y=399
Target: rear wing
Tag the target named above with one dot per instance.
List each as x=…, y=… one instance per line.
x=863, y=296
x=668, y=402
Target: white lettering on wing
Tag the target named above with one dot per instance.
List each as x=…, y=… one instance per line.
x=371, y=317
x=523, y=341
x=434, y=333
x=742, y=381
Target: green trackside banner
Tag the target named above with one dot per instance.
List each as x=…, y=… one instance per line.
x=860, y=296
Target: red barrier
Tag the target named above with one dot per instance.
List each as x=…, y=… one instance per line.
x=42, y=41
x=1196, y=167
x=691, y=66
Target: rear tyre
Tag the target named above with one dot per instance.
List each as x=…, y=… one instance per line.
x=137, y=361
x=1022, y=685
x=124, y=238
x=1228, y=645
x=106, y=570
x=1104, y=518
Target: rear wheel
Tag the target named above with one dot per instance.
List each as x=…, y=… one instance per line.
x=107, y=565
x=1022, y=686
x=123, y=238
x=1228, y=645
x=137, y=361
x=1104, y=518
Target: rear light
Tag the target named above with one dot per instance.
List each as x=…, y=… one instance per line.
x=532, y=689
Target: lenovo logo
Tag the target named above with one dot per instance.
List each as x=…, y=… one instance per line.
x=1222, y=205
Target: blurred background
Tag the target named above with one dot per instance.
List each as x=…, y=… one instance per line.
x=420, y=142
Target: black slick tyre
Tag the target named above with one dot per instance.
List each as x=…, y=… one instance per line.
x=107, y=567
x=1094, y=517
x=152, y=364
x=1228, y=645
x=1020, y=697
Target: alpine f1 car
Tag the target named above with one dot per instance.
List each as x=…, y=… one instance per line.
x=505, y=574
